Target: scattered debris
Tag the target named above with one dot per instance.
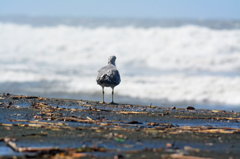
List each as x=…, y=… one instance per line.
x=120, y=131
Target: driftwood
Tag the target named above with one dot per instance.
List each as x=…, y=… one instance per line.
x=89, y=120
x=16, y=148
x=215, y=118
x=132, y=112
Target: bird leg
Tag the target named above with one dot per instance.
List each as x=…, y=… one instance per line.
x=103, y=95
x=112, y=96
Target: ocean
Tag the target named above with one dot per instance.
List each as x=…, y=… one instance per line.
x=163, y=62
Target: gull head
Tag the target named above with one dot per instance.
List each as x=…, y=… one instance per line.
x=111, y=60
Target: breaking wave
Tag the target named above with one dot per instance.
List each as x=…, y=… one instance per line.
x=187, y=63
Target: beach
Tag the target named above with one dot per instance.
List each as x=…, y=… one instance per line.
x=40, y=127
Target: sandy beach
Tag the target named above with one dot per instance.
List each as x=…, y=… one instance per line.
x=33, y=126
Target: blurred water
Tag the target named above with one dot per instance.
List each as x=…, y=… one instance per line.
x=165, y=61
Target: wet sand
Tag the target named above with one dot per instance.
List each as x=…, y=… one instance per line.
x=32, y=126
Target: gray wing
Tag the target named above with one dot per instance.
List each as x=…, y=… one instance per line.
x=108, y=75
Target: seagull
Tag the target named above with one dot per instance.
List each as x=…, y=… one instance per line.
x=109, y=76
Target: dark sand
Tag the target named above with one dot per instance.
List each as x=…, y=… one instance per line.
x=41, y=127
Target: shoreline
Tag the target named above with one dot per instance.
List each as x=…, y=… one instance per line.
x=135, y=101
x=71, y=127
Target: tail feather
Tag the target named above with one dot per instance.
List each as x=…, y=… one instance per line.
x=103, y=78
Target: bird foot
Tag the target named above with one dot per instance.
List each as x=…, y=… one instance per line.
x=113, y=103
x=102, y=102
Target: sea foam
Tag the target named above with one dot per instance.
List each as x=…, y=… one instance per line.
x=187, y=63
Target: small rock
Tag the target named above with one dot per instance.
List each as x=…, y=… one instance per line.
x=169, y=145
x=173, y=108
x=190, y=108
x=134, y=122
x=118, y=156
x=209, y=144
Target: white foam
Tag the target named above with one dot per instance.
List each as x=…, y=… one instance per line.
x=188, y=63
